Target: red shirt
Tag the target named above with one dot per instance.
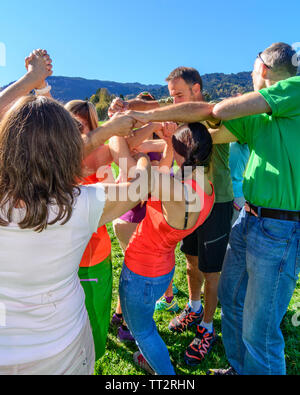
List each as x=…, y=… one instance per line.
x=99, y=247
x=151, y=250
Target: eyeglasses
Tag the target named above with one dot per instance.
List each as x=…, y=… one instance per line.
x=261, y=59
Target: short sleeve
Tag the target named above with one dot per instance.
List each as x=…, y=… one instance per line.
x=96, y=204
x=283, y=97
x=239, y=128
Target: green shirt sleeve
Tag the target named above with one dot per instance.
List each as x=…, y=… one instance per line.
x=241, y=128
x=283, y=97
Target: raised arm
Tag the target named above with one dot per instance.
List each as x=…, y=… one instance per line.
x=166, y=161
x=43, y=89
x=39, y=68
x=121, y=154
x=118, y=126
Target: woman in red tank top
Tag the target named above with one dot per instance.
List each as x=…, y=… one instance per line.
x=178, y=205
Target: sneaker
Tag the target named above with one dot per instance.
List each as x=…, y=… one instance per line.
x=175, y=289
x=200, y=346
x=222, y=372
x=185, y=320
x=200, y=332
x=162, y=304
x=124, y=335
x=141, y=362
x=116, y=321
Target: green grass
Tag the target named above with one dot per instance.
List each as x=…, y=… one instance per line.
x=118, y=357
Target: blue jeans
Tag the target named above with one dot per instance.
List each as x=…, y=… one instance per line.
x=258, y=279
x=138, y=295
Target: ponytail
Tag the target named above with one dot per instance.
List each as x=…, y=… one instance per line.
x=194, y=143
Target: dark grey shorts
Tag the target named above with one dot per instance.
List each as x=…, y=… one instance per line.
x=209, y=241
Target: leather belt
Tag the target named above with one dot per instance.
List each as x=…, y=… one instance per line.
x=283, y=215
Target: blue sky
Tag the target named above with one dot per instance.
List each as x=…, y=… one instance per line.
x=142, y=41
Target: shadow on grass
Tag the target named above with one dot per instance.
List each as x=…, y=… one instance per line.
x=120, y=354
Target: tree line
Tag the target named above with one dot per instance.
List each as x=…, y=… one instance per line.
x=217, y=86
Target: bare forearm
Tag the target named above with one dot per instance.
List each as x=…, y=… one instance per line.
x=100, y=157
x=120, y=151
x=12, y=93
x=96, y=138
x=141, y=135
x=167, y=158
x=115, y=127
x=152, y=146
x=183, y=112
x=142, y=105
x=242, y=106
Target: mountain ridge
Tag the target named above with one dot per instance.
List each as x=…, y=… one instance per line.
x=216, y=85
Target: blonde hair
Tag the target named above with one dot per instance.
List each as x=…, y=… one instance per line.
x=86, y=110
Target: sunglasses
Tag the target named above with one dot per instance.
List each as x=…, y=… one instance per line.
x=261, y=59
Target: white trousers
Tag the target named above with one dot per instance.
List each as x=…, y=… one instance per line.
x=77, y=359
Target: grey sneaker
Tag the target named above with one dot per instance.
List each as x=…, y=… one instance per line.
x=141, y=362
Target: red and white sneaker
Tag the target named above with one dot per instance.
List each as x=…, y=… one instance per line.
x=141, y=362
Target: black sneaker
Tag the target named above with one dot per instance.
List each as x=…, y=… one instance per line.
x=200, y=346
x=222, y=372
x=185, y=320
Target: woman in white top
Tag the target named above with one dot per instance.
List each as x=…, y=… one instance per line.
x=46, y=221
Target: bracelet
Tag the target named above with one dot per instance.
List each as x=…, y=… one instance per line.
x=237, y=207
x=43, y=91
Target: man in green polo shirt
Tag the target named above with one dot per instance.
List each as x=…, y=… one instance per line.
x=262, y=263
x=205, y=248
